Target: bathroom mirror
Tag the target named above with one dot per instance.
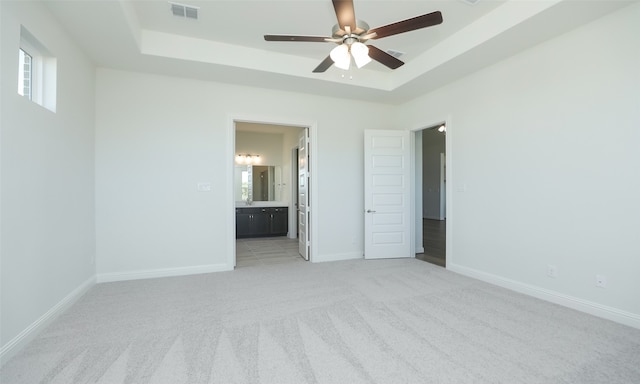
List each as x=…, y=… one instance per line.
x=258, y=182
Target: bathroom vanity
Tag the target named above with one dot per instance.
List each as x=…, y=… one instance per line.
x=261, y=221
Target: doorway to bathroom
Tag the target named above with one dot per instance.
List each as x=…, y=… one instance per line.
x=271, y=224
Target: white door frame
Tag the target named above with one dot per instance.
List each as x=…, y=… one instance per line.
x=313, y=178
x=449, y=255
x=302, y=181
x=293, y=211
x=416, y=179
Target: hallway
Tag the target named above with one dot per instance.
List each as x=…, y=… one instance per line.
x=434, y=242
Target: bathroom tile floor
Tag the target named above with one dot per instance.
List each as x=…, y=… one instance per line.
x=266, y=250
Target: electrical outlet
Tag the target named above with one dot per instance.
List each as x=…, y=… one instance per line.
x=601, y=281
x=552, y=271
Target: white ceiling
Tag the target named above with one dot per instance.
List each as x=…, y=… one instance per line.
x=226, y=43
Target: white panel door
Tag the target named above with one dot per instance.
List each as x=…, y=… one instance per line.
x=387, y=207
x=303, y=193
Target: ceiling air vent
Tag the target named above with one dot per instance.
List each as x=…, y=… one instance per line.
x=182, y=10
x=395, y=54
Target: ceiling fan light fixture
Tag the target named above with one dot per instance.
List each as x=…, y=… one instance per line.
x=353, y=33
x=360, y=53
x=340, y=56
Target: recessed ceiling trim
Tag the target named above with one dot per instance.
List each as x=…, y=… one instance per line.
x=473, y=35
x=173, y=46
x=394, y=53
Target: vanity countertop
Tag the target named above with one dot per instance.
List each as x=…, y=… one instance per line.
x=258, y=204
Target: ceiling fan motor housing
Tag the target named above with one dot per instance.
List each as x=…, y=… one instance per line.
x=339, y=33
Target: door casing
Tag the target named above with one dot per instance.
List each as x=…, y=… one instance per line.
x=231, y=204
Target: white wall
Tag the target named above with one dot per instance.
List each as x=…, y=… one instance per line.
x=547, y=145
x=157, y=137
x=47, y=247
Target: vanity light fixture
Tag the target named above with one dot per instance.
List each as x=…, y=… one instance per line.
x=247, y=158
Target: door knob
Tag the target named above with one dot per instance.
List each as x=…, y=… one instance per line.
x=370, y=211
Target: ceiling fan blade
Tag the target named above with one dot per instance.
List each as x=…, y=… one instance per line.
x=427, y=20
x=326, y=63
x=384, y=58
x=313, y=39
x=345, y=13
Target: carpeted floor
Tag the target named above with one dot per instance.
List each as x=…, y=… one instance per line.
x=381, y=321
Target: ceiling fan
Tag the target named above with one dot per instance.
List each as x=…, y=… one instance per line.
x=351, y=34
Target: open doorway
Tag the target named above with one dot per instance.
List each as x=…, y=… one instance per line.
x=265, y=193
x=431, y=185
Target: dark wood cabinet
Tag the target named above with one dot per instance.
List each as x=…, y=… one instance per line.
x=243, y=223
x=261, y=222
x=279, y=221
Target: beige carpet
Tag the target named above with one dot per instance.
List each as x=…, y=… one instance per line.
x=383, y=321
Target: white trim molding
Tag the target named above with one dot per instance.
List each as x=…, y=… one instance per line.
x=603, y=311
x=339, y=257
x=19, y=341
x=162, y=272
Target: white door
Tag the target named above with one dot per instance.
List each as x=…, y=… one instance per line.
x=387, y=227
x=303, y=193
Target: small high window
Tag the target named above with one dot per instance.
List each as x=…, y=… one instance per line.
x=24, y=74
x=37, y=71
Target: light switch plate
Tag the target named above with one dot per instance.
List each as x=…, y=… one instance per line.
x=204, y=187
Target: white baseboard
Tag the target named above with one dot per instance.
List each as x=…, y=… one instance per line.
x=419, y=250
x=14, y=345
x=338, y=257
x=162, y=272
x=606, y=312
